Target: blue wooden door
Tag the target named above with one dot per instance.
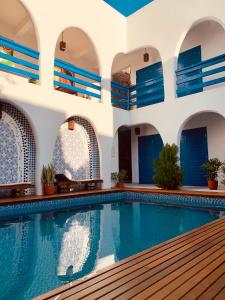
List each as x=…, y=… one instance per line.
x=149, y=148
x=193, y=153
x=148, y=73
x=186, y=59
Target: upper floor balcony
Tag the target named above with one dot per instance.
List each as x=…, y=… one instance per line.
x=137, y=78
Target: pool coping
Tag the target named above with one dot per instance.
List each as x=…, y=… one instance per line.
x=38, y=198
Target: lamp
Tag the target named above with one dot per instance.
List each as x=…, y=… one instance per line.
x=146, y=56
x=71, y=123
x=62, y=44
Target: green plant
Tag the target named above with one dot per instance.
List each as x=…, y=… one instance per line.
x=167, y=172
x=119, y=176
x=212, y=167
x=48, y=175
x=223, y=173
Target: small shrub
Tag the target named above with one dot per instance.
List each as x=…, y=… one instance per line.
x=212, y=167
x=48, y=174
x=167, y=172
x=119, y=176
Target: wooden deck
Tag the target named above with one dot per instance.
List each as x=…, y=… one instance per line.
x=190, y=266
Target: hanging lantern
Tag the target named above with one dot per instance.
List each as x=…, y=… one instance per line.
x=62, y=44
x=71, y=123
x=146, y=56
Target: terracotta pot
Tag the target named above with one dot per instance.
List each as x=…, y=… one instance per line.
x=213, y=184
x=49, y=189
x=120, y=184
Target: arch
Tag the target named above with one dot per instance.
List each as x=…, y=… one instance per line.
x=18, y=149
x=76, y=152
x=140, y=68
x=189, y=27
x=200, y=138
x=77, y=67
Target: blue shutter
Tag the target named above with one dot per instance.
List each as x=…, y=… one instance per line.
x=148, y=73
x=193, y=153
x=149, y=148
x=185, y=59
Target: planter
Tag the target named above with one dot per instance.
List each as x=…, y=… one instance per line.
x=120, y=184
x=49, y=189
x=213, y=184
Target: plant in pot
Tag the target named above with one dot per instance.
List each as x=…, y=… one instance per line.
x=167, y=172
x=212, y=167
x=119, y=177
x=47, y=178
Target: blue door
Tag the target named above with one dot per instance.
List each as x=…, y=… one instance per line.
x=154, y=71
x=186, y=59
x=149, y=148
x=193, y=153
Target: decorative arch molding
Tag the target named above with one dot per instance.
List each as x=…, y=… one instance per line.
x=76, y=152
x=17, y=150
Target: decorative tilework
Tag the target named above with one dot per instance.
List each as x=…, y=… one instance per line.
x=17, y=147
x=53, y=205
x=76, y=152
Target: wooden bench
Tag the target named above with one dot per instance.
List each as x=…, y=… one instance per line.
x=18, y=189
x=64, y=184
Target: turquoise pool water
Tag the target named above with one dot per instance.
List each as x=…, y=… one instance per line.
x=40, y=252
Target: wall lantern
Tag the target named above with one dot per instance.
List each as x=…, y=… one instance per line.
x=146, y=56
x=71, y=123
x=62, y=44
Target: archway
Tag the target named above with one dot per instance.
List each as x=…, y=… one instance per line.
x=76, y=152
x=77, y=68
x=137, y=78
x=201, y=139
x=141, y=144
x=200, y=58
x=17, y=146
x=18, y=41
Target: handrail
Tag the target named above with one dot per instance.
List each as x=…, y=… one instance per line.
x=26, y=51
x=66, y=82
x=187, y=85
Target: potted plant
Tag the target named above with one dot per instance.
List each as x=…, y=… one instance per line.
x=212, y=167
x=119, y=177
x=47, y=178
x=167, y=172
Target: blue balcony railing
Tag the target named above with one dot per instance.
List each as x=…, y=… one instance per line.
x=74, y=80
x=186, y=81
x=18, y=59
x=142, y=94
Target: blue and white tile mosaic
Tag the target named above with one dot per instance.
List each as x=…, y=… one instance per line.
x=76, y=152
x=53, y=205
x=17, y=147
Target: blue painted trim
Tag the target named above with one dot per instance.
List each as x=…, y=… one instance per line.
x=153, y=100
x=122, y=96
x=124, y=104
x=18, y=47
x=77, y=80
x=147, y=92
x=19, y=71
x=76, y=89
x=146, y=83
x=119, y=86
x=65, y=65
x=19, y=61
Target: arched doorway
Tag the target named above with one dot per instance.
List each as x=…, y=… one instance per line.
x=201, y=139
x=17, y=146
x=76, y=152
x=77, y=68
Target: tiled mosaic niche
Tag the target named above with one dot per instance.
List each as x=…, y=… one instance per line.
x=17, y=147
x=76, y=152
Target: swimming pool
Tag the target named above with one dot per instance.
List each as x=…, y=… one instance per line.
x=44, y=245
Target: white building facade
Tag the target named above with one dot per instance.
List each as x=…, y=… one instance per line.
x=103, y=42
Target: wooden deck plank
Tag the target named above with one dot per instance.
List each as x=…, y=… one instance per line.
x=85, y=282
x=184, y=261
x=220, y=295
x=212, y=290
x=143, y=277
x=134, y=262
